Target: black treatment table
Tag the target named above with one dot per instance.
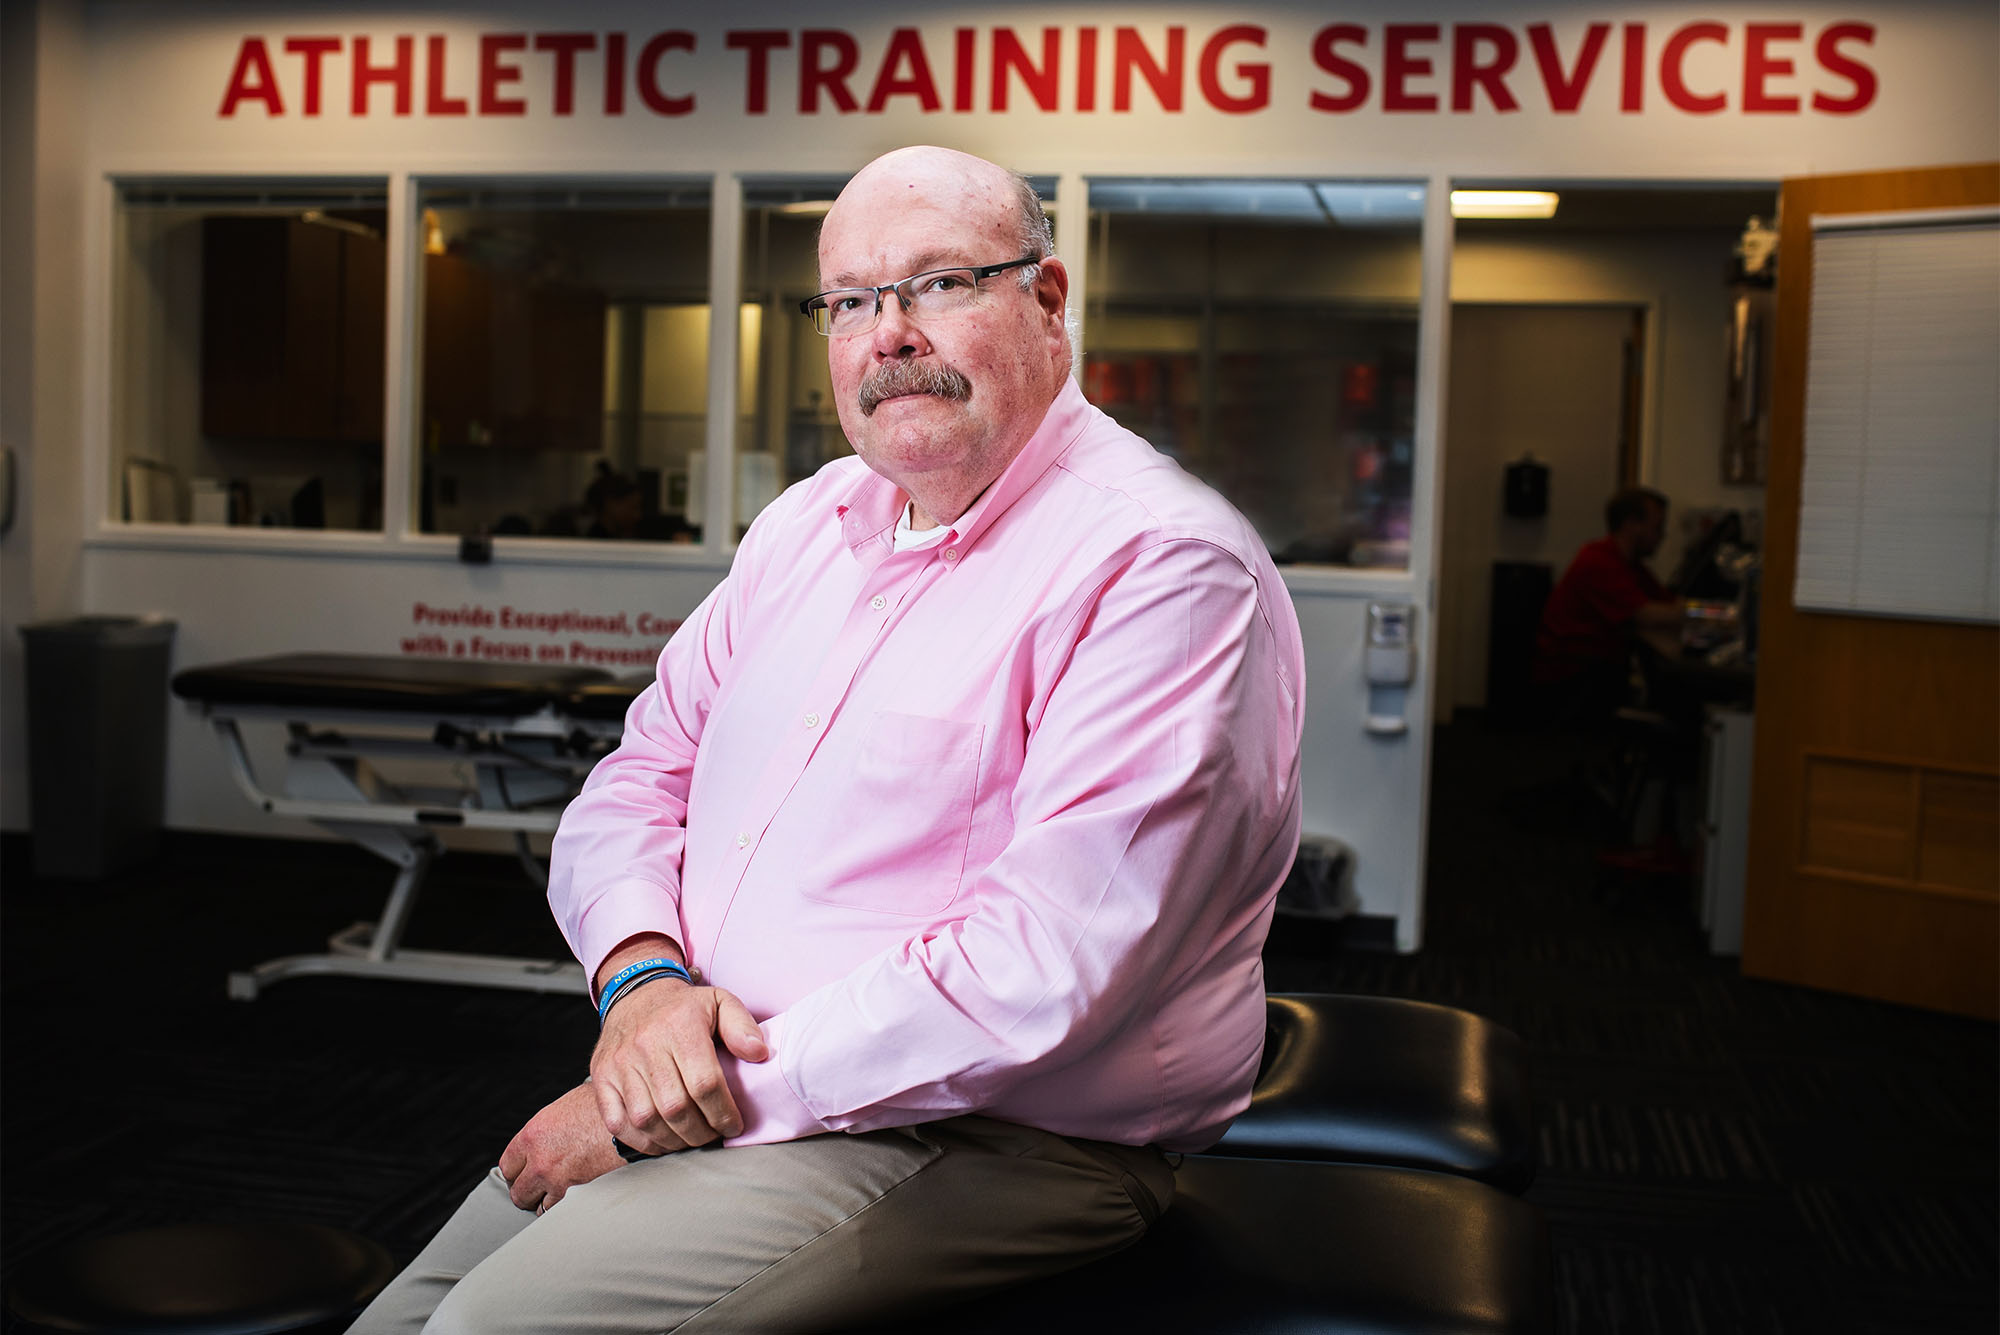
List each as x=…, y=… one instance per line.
x=519, y=740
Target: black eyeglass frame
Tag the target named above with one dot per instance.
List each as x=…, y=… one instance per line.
x=980, y=273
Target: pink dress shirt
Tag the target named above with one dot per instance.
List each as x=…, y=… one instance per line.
x=995, y=825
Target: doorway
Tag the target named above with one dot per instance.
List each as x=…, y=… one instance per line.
x=1548, y=386
x=1598, y=344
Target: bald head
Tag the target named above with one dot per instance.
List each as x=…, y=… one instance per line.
x=924, y=171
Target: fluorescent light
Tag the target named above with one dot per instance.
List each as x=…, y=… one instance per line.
x=1503, y=204
x=819, y=208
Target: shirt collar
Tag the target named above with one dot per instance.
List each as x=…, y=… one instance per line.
x=871, y=506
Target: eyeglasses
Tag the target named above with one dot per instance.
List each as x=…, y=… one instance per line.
x=846, y=311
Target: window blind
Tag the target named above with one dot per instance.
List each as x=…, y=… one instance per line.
x=1899, y=510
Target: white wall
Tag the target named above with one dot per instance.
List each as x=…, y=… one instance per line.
x=61, y=451
x=1368, y=791
x=41, y=560
x=17, y=381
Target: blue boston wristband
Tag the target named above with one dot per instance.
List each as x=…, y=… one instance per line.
x=632, y=975
x=633, y=985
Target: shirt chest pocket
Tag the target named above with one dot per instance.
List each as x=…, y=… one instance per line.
x=898, y=833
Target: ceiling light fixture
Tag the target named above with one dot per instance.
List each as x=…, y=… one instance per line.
x=1503, y=204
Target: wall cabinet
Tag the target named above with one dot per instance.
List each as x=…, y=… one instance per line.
x=293, y=314
x=291, y=331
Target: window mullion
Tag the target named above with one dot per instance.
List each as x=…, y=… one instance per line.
x=725, y=287
x=402, y=351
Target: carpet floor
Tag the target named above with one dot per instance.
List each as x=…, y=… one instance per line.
x=1718, y=1154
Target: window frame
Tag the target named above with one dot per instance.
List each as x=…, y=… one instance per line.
x=398, y=539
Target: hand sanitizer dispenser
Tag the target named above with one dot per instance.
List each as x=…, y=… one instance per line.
x=1389, y=665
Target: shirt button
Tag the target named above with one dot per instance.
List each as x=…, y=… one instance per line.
x=878, y=602
x=951, y=553
x=812, y=720
x=743, y=841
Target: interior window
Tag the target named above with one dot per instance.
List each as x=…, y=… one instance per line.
x=250, y=322
x=565, y=361
x=1264, y=334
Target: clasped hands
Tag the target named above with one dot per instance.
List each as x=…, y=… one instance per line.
x=655, y=1083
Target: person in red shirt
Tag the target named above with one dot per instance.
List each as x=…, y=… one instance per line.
x=1603, y=601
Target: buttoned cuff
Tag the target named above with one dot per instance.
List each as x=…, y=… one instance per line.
x=772, y=1110
x=619, y=913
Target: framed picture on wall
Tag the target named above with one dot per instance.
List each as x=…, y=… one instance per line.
x=1746, y=428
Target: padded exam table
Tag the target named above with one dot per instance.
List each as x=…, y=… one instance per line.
x=518, y=742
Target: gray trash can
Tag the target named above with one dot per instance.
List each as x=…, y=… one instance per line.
x=1321, y=881
x=97, y=741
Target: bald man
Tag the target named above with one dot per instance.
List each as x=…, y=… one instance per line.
x=924, y=898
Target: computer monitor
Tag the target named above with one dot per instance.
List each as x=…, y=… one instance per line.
x=1698, y=575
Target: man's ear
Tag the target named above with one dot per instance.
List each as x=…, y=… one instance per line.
x=1052, y=289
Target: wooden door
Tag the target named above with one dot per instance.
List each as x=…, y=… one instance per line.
x=1874, y=863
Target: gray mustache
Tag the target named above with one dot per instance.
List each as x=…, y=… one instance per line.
x=912, y=378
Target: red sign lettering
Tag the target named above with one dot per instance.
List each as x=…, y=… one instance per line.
x=962, y=40
x=757, y=46
x=1566, y=90
x=564, y=46
x=493, y=72
x=396, y=75
x=1129, y=53
x=1258, y=75
x=1836, y=62
x=1469, y=71
x=1632, y=93
x=1086, y=69
x=614, y=74
x=437, y=102
x=1327, y=59
x=1759, y=64
x=647, y=74
x=1397, y=68
x=1042, y=82
x=1674, y=83
x=905, y=48
x=252, y=80
x=815, y=75
x=315, y=50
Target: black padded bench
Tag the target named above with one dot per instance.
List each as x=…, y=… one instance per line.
x=1351, y=1079
x=1258, y=1247
x=1369, y=1187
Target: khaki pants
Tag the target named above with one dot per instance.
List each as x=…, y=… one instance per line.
x=818, y=1234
